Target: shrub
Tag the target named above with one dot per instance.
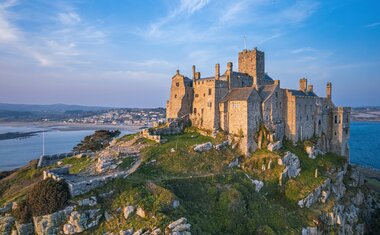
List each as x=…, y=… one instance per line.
x=47, y=197
x=23, y=213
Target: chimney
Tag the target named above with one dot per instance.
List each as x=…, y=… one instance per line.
x=310, y=88
x=197, y=75
x=193, y=72
x=229, y=66
x=277, y=82
x=177, y=71
x=328, y=90
x=303, y=84
x=217, y=71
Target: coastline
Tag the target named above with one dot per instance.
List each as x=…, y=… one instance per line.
x=62, y=126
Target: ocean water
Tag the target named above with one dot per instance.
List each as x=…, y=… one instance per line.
x=17, y=152
x=365, y=144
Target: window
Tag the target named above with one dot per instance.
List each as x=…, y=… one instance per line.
x=307, y=117
x=196, y=95
x=175, y=96
x=177, y=84
x=202, y=111
x=209, y=104
x=235, y=105
x=195, y=110
x=209, y=91
x=335, y=133
x=204, y=94
x=336, y=119
x=276, y=94
x=319, y=122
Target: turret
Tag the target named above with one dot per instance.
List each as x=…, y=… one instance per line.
x=328, y=90
x=303, y=84
x=217, y=72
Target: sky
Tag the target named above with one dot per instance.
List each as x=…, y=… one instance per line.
x=124, y=53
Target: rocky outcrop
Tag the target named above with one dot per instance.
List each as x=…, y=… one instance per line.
x=292, y=165
x=50, y=224
x=25, y=229
x=6, y=208
x=312, y=151
x=310, y=231
x=338, y=186
x=6, y=224
x=320, y=193
x=81, y=221
x=357, y=178
x=140, y=212
x=203, y=147
x=126, y=232
x=258, y=184
x=179, y=227
x=105, y=164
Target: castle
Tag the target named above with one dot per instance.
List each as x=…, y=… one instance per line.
x=242, y=103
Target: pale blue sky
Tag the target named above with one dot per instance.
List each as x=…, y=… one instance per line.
x=124, y=53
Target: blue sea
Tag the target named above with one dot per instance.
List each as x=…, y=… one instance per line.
x=364, y=144
x=18, y=152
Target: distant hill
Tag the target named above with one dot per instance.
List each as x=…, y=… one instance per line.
x=49, y=107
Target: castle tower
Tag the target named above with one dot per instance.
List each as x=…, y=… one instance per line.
x=252, y=62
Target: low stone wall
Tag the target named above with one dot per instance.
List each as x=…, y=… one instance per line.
x=48, y=160
x=56, y=174
x=146, y=134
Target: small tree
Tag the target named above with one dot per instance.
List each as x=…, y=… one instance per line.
x=48, y=196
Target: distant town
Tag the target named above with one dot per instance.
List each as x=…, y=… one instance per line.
x=123, y=117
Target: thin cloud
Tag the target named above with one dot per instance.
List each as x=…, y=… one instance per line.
x=303, y=50
x=373, y=25
x=69, y=18
x=270, y=38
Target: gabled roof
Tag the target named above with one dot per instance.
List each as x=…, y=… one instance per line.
x=266, y=90
x=238, y=94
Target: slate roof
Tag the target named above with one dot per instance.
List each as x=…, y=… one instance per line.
x=266, y=90
x=301, y=93
x=238, y=94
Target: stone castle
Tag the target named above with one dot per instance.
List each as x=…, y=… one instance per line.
x=243, y=103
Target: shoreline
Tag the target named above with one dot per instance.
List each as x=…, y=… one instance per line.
x=62, y=126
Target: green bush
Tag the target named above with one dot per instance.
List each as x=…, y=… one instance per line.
x=23, y=213
x=48, y=196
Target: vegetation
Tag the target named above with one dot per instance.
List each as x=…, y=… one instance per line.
x=47, y=197
x=77, y=164
x=97, y=141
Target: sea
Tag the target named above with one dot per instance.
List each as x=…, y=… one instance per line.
x=364, y=144
x=15, y=153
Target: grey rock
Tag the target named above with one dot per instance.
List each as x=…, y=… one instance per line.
x=140, y=212
x=174, y=224
x=126, y=232
x=6, y=224
x=107, y=216
x=203, y=147
x=222, y=145
x=128, y=211
x=25, y=229
x=175, y=204
x=88, y=202
x=274, y=146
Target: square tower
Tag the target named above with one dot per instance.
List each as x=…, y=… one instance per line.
x=252, y=62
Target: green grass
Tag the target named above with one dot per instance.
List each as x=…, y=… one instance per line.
x=77, y=164
x=299, y=187
x=127, y=163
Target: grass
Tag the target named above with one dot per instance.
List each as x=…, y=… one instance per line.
x=127, y=162
x=301, y=186
x=77, y=164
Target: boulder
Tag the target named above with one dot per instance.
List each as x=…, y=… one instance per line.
x=51, y=223
x=6, y=224
x=126, y=232
x=181, y=228
x=222, y=145
x=274, y=146
x=310, y=231
x=81, y=221
x=258, y=185
x=234, y=163
x=140, y=212
x=128, y=211
x=174, y=224
x=139, y=232
x=107, y=216
x=88, y=202
x=203, y=147
x=156, y=231
x=6, y=208
x=25, y=229
x=175, y=204
x=292, y=165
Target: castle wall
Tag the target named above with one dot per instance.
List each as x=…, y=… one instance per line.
x=289, y=113
x=272, y=109
x=181, y=98
x=305, y=115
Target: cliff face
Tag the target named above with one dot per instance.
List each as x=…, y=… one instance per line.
x=195, y=184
